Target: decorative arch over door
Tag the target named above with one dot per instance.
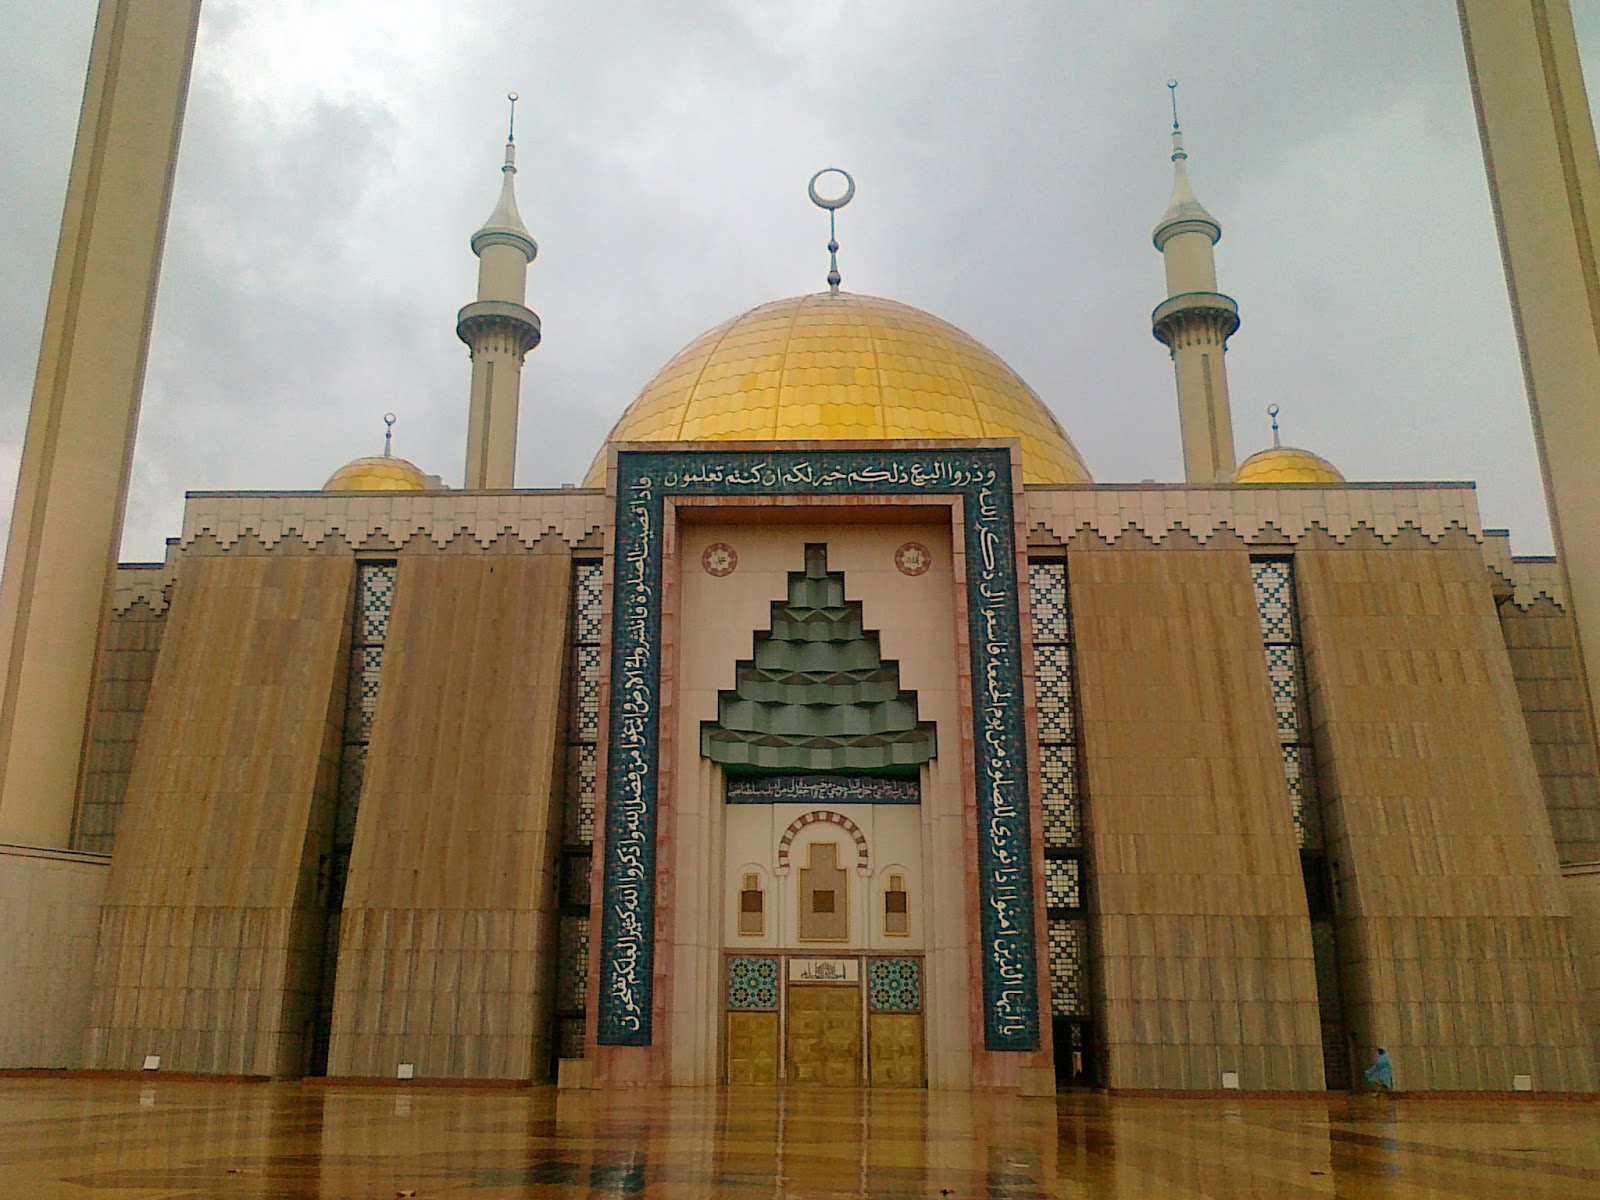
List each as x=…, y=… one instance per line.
x=828, y=817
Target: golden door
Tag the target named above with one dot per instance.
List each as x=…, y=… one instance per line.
x=825, y=1035
x=894, y=1049
x=752, y=1047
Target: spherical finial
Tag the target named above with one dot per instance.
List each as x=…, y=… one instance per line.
x=388, y=432
x=833, y=204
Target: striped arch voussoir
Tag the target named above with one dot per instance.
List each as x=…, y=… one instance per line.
x=826, y=817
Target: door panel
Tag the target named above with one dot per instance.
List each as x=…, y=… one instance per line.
x=825, y=1036
x=895, y=1053
x=752, y=1047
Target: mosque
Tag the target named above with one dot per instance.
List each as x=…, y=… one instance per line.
x=839, y=729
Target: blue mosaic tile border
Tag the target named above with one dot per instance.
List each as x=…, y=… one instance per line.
x=982, y=478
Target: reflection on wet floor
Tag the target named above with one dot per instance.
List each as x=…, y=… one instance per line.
x=136, y=1138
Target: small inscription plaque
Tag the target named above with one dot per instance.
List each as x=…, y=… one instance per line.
x=824, y=970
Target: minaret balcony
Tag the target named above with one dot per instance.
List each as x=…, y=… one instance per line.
x=505, y=318
x=1208, y=314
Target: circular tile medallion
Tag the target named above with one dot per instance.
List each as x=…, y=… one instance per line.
x=913, y=559
x=719, y=559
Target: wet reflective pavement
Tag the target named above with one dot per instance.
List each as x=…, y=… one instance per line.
x=136, y=1138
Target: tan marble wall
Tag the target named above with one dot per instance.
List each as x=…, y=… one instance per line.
x=128, y=650
x=445, y=957
x=51, y=901
x=1204, y=960
x=209, y=935
x=1543, y=647
x=1583, y=894
x=1456, y=946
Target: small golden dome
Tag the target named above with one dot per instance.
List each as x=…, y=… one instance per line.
x=836, y=368
x=1286, y=464
x=379, y=473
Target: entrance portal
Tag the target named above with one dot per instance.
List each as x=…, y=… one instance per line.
x=825, y=1035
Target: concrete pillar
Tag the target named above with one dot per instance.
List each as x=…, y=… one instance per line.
x=67, y=523
x=1544, y=180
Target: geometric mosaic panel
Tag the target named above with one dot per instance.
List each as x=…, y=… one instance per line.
x=1273, y=580
x=364, y=692
x=1058, y=777
x=579, y=814
x=1047, y=590
x=1069, y=992
x=570, y=1031
x=586, y=604
x=1303, y=797
x=1274, y=583
x=1282, y=673
x=577, y=808
x=572, y=963
x=587, y=678
x=1062, y=883
x=584, y=717
x=377, y=599
x=374, y=602
x=1059, y=788
x=894, y=985
x=1052, y=666
x=753, y=984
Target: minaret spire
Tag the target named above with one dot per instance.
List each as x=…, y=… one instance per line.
x=499, y=330
x=1195, y=322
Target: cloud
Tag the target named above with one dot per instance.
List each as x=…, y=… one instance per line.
x=338, y=154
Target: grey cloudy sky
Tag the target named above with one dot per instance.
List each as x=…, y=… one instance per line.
x=1011, y=161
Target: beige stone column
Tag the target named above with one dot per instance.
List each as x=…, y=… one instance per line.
x=1544, y=180
x=78, y=451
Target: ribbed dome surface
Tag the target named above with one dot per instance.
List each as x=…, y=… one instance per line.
x=843, y=368
x=1286, y=464
x=379, y=473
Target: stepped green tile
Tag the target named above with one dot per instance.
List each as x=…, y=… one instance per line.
x=816, y=693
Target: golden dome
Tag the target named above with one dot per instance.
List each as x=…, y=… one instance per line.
x=380, y=473
x=1286, y=464
x=843, y=367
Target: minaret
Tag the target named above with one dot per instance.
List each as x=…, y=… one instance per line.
x=1195, y=322
x=499, y=330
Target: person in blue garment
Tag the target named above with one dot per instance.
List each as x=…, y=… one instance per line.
x=1381, y=1073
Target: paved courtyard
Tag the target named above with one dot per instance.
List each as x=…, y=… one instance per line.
x=88, y=1138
